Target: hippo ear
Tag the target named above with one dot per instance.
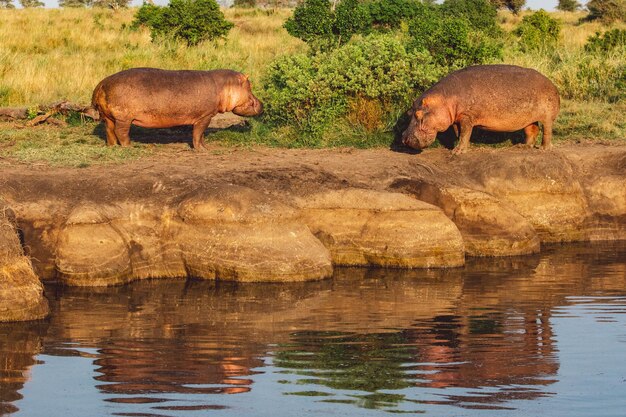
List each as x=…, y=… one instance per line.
x=243, y=78
x=419, y=115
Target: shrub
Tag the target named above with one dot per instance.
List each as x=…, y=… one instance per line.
x=376, y=73
x=322, y=28
x=601, y=79
x=31, y=3
x=389, y=14
x=312, y=21
x=244, y=3
x=479, y=13
x=538, y=31
x=351, y=17
x=607, y=41
x=452, y=41
x=192, y=21
x=568, y=5
x=111, y=4
x=607, y=11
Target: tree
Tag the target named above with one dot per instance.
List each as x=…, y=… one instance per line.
x=568, y=5
x=607, y=11
x=192, y=21
x=312, y=21
x=538, y=31
x=74, y=3
x=513, y=5
x=111, y=4
x=481, y=14
x=7, y=4
x=31, y=3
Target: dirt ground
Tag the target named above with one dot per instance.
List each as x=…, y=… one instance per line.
x=175, y=169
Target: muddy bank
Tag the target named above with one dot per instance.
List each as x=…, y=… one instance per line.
x=290, y=215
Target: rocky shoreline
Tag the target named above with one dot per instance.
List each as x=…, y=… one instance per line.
x=291, y=215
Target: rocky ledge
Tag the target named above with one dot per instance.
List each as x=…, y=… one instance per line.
x=291, y=215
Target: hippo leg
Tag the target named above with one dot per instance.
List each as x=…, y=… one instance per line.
x=198, y=133
x=465, y=128
x=110, y=132
x=122, y=130
x=531, y=132
x=546, y=142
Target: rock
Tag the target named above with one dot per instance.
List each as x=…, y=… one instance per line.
x=602, y=178
x=235, y=233
x=541, y=186
x=489, y=227
x=371, y=228
x=21, y=292
x=225, y=232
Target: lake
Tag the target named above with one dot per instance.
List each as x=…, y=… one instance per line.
x=540, y=335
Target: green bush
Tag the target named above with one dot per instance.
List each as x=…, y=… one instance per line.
x=481, y=14
x=568, y=5
x=389, y=14
x=244, y=3
x=376, y=75
x=451, y=40
x=351, y=17
x=606, y=41
x=191, y=21
x=315, y=23
x=538, y=31
x=598, y=79
x=607, y=11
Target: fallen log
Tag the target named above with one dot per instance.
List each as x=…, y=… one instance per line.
x=13, y=113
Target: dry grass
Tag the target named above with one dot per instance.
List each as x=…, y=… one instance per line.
x=52, y=54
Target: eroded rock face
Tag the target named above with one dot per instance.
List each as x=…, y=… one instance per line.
x=489, y=226
x=371, y=228
x=541, y=186
x=21, y=292
x=225, y=232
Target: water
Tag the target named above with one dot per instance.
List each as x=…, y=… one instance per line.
x=534, y=336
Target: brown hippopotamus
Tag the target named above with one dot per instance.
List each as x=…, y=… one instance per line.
x=500, y=98
x=155, y=98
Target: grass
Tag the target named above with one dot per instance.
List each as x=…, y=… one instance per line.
x=51, y=54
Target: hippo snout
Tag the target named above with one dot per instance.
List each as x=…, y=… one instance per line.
x=258, y=107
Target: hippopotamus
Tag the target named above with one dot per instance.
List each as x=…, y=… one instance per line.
x=500, y=98
x=156, y=98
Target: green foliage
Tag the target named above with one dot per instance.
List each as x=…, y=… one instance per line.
x=31, y=3
x=111, y=4
x=513, y=5
x=315, y=23
x=7, y=4
x=568, y=5
x=538, y=31
x=607, y=41
x=376, y=72
x=312, y=21
x=607, y=11
x=74, y=3
x=452, y=41
x=599, y=79
x=389, y=14
x=351, y=17
x=481, y=14
x=244, y=3
x=191, y=21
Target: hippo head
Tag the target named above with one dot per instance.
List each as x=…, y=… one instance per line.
x=240, y=100
x=429, y=116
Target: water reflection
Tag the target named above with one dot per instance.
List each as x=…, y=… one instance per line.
x=481, y=337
